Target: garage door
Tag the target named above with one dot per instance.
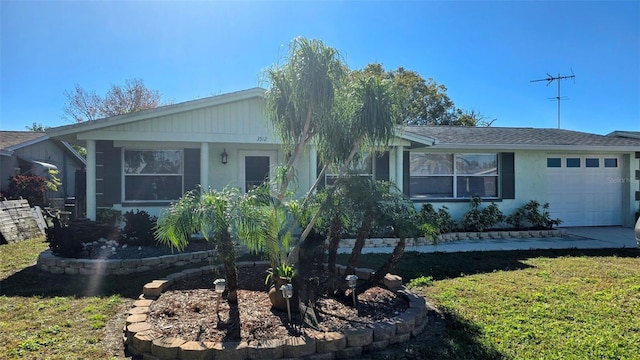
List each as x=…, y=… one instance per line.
x=585, y=190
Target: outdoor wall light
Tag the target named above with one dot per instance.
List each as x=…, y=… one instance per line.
x=224, y=157
x=287, y=293
x=351, y=282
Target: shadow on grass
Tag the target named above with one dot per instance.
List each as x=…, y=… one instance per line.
x=446, y=337
x=32, y=282
x=451, y=265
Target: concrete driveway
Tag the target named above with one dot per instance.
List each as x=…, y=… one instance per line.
x=576, y=238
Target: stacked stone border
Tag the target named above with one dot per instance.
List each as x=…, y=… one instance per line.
x=141, y=340
x=443, y=238
x=59, y=265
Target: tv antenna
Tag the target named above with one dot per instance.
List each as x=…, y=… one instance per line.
x=549, y=79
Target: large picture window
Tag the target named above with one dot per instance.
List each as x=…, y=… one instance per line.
x=435, y=175
x=360, y=166
x=153, y=175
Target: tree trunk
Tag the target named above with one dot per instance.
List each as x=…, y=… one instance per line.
x=309, y=267
x=335, y=228
x=363, y=234
x=227, y=252
x=390, y=264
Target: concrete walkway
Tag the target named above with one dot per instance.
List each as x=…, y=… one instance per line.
x=577, y=238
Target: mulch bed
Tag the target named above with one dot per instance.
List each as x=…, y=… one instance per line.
x=188, y=311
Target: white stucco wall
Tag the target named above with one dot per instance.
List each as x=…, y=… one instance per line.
x=531, y=184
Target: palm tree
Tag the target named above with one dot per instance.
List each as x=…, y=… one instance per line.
x=398, y=211
x=301, y=96
x=207, y=212
x=365, y=195
x=364, y=119
x=263, y=224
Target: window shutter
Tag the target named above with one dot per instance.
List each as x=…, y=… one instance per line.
x=191, y=169
x=109, y=175
x=507, y=176
x=406, y=181
x=382, y=166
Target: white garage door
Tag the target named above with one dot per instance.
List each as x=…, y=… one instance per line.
x=585, y=190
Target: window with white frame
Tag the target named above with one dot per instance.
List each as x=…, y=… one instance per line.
x=152, y=175
x=360, y=166
x=463, y=175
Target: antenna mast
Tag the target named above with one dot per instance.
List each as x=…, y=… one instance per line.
x=549, y=79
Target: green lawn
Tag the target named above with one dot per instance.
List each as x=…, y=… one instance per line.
x=46, y=316
x=567, y=304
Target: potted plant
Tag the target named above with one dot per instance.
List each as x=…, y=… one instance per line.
x=278, y=276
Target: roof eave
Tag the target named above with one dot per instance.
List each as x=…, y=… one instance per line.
x=73, y=152
x=28, y=143
x=415, y=138
x=64, y=131
x=626, y=134
x=613, y=148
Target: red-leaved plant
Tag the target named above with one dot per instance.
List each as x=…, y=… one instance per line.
x=29, y=187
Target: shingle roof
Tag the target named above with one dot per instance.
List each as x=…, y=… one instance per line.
x=11, y=138
x=504, y=137
x=627, y=134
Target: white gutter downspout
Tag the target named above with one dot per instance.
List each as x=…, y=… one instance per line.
x=204, y=166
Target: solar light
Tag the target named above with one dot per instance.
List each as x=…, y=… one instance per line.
x=287, y=293
x=219, y=286
x=351, y=282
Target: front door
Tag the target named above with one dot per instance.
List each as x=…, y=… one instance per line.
x=255, y=168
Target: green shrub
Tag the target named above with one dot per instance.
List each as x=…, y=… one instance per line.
x=29, y=187
x=421, y=281
x=139, y=228
x=440, y=220
x=108, y=215
x=66, y=241
x=530, y=216
x=480, y=220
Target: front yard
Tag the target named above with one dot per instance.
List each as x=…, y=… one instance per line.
x=569, y=304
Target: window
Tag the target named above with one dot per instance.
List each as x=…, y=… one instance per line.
x=592, y=162
x=573, y=162
x=554, y=162
x=611, y=162
x=453, y=175
x=153, y=175
x=360, y=166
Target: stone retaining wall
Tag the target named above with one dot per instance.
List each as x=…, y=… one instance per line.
x=141, y=340
x=391, y=242
x=58, y=265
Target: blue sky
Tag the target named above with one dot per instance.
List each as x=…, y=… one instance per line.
x=485, y=53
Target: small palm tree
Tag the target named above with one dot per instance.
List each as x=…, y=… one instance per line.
x=263, y=223
x=210, y=214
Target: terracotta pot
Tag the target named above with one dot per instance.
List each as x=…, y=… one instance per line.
x=275, y=294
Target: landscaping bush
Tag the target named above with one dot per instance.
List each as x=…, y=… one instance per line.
x=66, y=241
x=530, y=216
x=139, y=228
x=29, y=187
x=108, y=215
x=439, y=221
x=480, y=220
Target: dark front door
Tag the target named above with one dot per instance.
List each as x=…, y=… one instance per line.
x=256, y=169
